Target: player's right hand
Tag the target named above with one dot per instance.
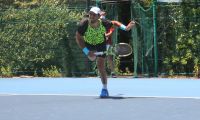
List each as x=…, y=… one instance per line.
x=130, y=25
x=91, y=56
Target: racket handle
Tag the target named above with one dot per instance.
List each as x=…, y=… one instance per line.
x=99, y=53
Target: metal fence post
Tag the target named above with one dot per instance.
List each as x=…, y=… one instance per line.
x=155, y=39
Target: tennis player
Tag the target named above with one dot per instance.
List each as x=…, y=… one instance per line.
x=116, y=24
x=91, y=37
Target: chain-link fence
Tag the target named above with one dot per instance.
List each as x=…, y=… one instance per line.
x=38, y=39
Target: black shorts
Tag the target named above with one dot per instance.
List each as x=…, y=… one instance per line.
x=98, y=48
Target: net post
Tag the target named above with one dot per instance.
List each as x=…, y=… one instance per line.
x=135, y=45
x=155, y=39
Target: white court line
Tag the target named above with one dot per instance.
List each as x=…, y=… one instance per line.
x=80, y=95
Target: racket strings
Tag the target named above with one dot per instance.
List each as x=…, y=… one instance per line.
x=123, y=50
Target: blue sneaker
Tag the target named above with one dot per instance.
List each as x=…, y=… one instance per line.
x=104, y=93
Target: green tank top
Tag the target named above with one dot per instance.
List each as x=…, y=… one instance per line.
x=95, y=36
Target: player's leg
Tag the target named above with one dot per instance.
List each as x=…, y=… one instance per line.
x=110, y=58
x=102, y=70
x=111, y=66
x=103, y=76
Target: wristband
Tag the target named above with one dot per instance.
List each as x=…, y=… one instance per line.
x=85, y=50
x=122, y=27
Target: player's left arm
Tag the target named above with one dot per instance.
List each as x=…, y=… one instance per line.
x=109, y=27
x=122, y=26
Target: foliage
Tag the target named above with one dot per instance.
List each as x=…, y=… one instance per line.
x=179, y=38
x=146, y=3
x=53, y=71
x=36, y=34
x=31, y=38
x=6, y=72
x=117, y=65
x=197, y=67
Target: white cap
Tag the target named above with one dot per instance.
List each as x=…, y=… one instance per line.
x=95, y=10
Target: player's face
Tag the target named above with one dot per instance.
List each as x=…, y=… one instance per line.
x=93, y=17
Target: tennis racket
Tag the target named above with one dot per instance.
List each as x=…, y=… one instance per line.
x=120, y=49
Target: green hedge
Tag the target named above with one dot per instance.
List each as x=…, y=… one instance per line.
x=179, y=38
x=33, y=39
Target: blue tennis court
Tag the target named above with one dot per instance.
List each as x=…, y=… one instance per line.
x=78, y=99
x=124, y=87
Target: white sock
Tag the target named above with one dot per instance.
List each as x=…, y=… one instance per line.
x=104, y=86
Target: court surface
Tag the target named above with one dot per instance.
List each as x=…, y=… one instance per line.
x=78, y=99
